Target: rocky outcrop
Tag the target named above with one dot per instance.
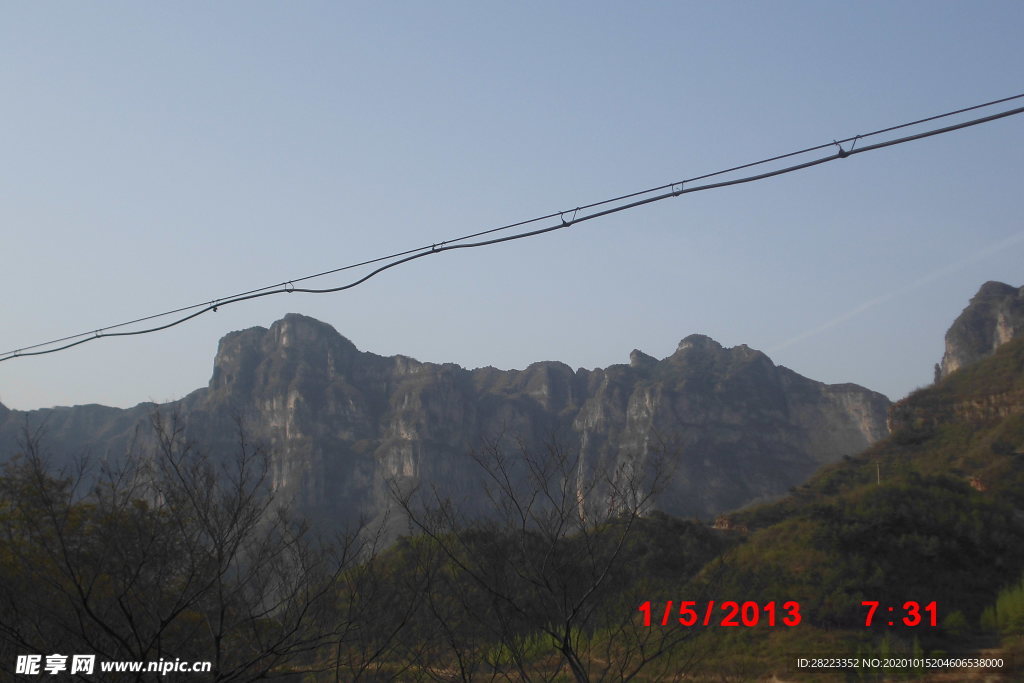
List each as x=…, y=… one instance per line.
x=727, y=425
x=979, y=394
x=991, y=321
x=994, y=316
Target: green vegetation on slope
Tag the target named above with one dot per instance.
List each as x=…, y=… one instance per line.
x=934, y=513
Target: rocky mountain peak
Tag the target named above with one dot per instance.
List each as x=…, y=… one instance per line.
x=293, y=342
x=994, y=316
x=300, y=330
x=639, y=359
x=994, y=289
x=237, y=353
x=699, y=353
x=698, y=342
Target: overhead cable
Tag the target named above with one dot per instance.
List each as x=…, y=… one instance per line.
x=618, y=203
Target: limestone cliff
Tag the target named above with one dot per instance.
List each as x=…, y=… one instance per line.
x=731, y=426
x=994, y=316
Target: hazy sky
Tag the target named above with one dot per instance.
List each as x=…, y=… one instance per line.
x=155, y=155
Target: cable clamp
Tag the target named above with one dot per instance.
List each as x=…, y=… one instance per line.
x=675, y=192
x=289, y=287
x=842, y=152
x=567, y=223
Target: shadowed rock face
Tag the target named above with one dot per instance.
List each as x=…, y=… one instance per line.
x=731, y=426
x=994, y=316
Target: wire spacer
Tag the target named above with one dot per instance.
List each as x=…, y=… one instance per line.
x=567, y=223
x=289, y=287
x=842, y=152
x=675, y=192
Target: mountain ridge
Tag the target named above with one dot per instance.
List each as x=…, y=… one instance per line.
x=341, y=423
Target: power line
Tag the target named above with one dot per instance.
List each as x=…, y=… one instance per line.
x=675, y=189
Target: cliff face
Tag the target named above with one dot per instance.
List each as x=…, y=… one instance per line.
x=733, y=426
x=994, y=316
x=979, y=394
x=730, y=426
x=967, y=389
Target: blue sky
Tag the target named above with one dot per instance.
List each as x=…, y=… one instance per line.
x=157, y=155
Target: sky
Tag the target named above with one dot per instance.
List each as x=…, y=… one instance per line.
x=158, y=155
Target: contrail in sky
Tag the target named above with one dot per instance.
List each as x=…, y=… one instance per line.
x=920, y=282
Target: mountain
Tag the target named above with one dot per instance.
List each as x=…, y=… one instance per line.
x=933, y=514
x=994, y=316
x=731, y=425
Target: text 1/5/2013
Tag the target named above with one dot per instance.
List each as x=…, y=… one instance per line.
x=726, y=613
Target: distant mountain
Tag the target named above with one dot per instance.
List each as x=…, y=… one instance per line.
x=933, y=513
x=732, y=426
x=994, y=316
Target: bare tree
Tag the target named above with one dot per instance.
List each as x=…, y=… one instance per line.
x=169, y=555
x=543, y=573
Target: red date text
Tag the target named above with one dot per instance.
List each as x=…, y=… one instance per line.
x=728, y=613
